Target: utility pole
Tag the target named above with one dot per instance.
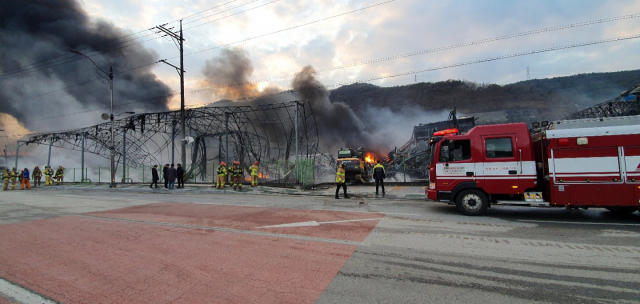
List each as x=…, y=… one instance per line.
x=297, y=156
x=181, y=71
x=124, y=154
x=528, y=76
x=18, y=150
x=173, y=140
x=49, y=157
x=82, y=161
x=226, y=156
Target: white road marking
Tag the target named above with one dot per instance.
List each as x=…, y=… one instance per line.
x=345, y=221
x=268, y=234
x=314, y=209
x=314, y=223
x=579, y=223
x=21, y=295
x=298, y=224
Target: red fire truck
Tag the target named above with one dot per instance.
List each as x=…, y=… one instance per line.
x=576, y=164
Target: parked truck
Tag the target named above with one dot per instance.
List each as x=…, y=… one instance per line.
x=587, y=163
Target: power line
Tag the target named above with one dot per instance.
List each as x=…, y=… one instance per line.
x=67, y=56
x=383, y=59
x=453, y=65
x=392, y=57
x=433, y=50
x=192, y=21
x=290, y=28
x=316, y=21
x=61, y=62
x=365, y=80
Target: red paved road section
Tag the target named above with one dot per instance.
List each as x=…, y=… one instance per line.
x=5, y=301
x=250, y=218
x=84, y=260
x=103, y=260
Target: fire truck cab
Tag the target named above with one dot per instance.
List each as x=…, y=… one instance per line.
x=585, y=163
x=493, y=162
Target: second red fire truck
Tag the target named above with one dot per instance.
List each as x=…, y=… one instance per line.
x=578, y=164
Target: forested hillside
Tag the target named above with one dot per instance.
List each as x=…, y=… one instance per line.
x=537, y=99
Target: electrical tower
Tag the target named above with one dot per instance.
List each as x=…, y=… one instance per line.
x=528, y=75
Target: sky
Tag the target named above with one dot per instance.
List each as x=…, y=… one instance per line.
x=388, y=29
x=382, y=42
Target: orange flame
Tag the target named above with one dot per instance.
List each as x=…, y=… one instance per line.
x=368, y=158
x=248, y=178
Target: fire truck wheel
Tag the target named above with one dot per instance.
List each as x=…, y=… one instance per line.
x=472, y=202
x=621, y=210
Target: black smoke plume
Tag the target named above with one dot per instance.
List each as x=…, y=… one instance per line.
x=340, y=127
x=376, y=129
x=36, y=30
x=229, y=73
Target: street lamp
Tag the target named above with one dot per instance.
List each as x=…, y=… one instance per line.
x=109, y=77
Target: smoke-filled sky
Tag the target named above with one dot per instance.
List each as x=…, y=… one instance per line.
x=279, y=38
x=393, y=28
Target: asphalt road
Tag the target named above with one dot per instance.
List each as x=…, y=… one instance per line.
x=416, y=251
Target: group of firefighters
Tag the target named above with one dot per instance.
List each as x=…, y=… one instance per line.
x=236, y=172
x=341, y=180
x=25, y=176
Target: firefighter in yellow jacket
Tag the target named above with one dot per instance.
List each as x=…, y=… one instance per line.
x=340, y=180
x=222, y=174
x=14, y=177
x=47, y=176
x=6, y=177
x=254, y=174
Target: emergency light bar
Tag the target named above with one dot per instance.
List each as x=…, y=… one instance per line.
x=446, y=132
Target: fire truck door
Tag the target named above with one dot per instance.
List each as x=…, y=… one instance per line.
x=632, y=164
x=455, y=164
x=500, y=164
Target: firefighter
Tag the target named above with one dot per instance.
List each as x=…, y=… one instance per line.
x=222, y=173
x=37, y=175
x=6, y=176
x=379, y=175
x=340, y=180
x=254, y=174
x=232, y=175
x=59, y=176
x=25, y=179
x=47, y=176
x=238, y=173
x=14, y=176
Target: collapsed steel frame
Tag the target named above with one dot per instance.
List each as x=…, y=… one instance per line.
x=627, y=104
x=246, y=133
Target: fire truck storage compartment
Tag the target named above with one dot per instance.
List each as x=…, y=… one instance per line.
x=590, y=170
x=632, y=170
